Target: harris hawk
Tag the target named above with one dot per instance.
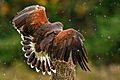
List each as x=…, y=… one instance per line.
x=44, y=42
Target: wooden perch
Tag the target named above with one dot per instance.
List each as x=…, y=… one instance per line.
x=64, y=70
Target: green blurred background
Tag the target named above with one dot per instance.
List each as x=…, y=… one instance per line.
x=97, y=20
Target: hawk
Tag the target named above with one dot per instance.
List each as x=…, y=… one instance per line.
x=44, y=42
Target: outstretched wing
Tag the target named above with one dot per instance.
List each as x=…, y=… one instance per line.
x=70, y=42
x=26, y=22
x=30, y=18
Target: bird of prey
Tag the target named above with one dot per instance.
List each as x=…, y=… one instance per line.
x=44, y=42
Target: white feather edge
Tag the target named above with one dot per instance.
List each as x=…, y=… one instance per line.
x=23, y=49
x=32, y=48
x=53, y=70
x=49, y=72
x=37, y=70
x=43, y=73
x=26, y=55
x=48, y=58
x=31, y=66
x=42, y=58
x=28, y=58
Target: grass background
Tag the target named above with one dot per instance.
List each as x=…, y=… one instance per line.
x=97, y=20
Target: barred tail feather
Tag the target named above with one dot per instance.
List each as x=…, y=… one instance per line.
x=40, y=63
x=37, y=66
x=33, y=63
x=43, y=65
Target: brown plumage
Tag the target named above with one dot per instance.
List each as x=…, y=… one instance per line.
x=44, y=42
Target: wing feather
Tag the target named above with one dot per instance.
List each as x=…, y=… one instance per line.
x=36, y=49
x=68, y=41
x=67, y=53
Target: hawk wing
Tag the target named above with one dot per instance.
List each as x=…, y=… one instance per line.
x=26, y=22
x=70, y=42
x=41, y=43
x=30, y=18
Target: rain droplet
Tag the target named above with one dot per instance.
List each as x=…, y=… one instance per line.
x=69, y=20
x=104, y=16
x=56, y=13
x=108, y=37
x=99, y=58
x=90, y=14
x=108, y=53
x=118, y=49
x=62, y=11
x=4, y=74
x=96, y=16
x=12, y=56
x=95, y=29
x=10, y=22
x=4, y=63
x=84, y=3
x=24, y=61
x=2, y=1
x=112, y=55
x=115, y=3
x=101, y=35
x=100, y=3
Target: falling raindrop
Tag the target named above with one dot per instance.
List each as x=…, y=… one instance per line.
x=119, y=49
x=24, y=61
x=101, y=35
x=96, y=16
x=56, y=13
x=84, y=3
x=4, y=74
x=2, y=1
x=104, y=16
x=99, y=58
x=109, y=37
x=107, y=53
x=4, y=63
x=10, y=22
x=95, y=29
x=114, y=3
x=112, y=55
x=69, y=20
x=100, y=3
x=90, y=14
x=12, y=56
